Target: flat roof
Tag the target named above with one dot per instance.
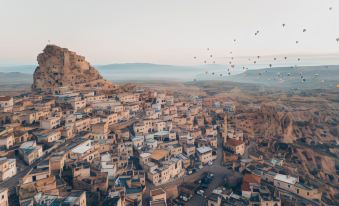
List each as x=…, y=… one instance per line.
x=286, y=178
x=158, y=191
x=159, y=154
x=204, y=149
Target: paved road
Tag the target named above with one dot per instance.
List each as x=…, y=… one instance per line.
x=219, y=172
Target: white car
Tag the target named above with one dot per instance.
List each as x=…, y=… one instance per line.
x=201, y=192
x=210, y=163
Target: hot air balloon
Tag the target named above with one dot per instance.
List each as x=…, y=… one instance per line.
x=283, y=25
x=304, y=30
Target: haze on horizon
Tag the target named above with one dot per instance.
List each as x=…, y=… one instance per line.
x=169, y=32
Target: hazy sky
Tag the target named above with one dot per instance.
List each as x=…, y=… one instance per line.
x=166, y=32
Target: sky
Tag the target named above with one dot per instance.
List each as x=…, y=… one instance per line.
x=169, y=32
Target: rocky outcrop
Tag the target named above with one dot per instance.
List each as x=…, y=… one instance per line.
x=60, y=69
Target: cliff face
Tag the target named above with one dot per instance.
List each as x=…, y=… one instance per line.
x=61, y=68
x=295, y=123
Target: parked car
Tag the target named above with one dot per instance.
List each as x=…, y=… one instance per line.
x=201, y=192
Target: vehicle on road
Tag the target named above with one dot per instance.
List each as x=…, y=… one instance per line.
x=201, y=192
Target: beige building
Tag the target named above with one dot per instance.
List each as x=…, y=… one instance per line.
x=128, y=97
x=83, y=151
x=7, y=168
x=48, y=136
x=158, y=197
x=57, y=162
x=78, y=104
x=235, y=146
x=82, y=125
x=30, y=151
x=7, y=140
x=291, y=184
x=4, y=197
x=205, y=154
x=6, y=104
x=100, y=130
x=168, y=170
x=50, y=123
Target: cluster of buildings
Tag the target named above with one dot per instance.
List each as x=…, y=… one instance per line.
x=84, y=147
x=57, y=147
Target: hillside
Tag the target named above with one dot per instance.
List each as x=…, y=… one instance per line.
x=309, y=77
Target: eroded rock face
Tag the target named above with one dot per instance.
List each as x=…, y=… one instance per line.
x=60, y=68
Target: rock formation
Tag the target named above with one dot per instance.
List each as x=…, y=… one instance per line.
x=60, y=69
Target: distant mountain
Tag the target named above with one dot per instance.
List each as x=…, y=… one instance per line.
x=131, y=71
x=27, y=69
x=315, y=76
x=291, y=77
x=144, y=71
x=12, y=78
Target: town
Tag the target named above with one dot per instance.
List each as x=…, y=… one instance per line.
x=85, y=141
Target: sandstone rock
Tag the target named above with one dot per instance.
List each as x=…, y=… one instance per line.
x=61, y=69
